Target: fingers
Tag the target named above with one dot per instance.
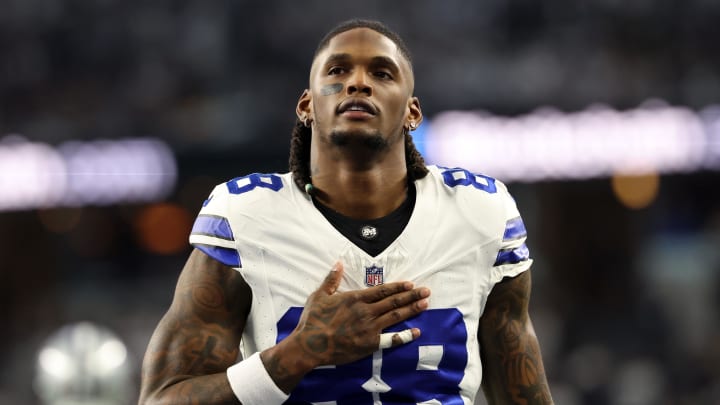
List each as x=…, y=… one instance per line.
x=400, y=300
x=392, y=339
x=333, y=279
x=370, y=295
x=386, y=304
x=400, y=307
x=399, y=314
x=395, y=302
x=377, y=293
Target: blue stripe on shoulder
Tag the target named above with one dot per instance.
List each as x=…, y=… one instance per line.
x=512, y=256
x=514, y=229
x=212, y=225
x=226, y=256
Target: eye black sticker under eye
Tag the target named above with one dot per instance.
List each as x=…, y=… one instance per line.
x=331, y=89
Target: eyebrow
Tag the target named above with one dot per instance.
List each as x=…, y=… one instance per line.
x=383, y=61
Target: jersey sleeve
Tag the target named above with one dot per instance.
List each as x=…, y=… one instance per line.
x=212, y=232
x=513, y=256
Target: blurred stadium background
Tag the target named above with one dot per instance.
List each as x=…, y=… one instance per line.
x=118, y=117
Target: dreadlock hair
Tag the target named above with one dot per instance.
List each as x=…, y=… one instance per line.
x=301, y=134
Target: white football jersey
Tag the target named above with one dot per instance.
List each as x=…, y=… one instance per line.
x=465, y=234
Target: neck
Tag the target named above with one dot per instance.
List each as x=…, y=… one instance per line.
x=358, y=181
x=361, y=194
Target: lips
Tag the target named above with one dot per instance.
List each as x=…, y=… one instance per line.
x=355, y=104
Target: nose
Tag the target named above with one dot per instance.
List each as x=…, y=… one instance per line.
x=357, y=83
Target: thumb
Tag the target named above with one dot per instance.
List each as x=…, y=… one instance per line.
x=332, y=281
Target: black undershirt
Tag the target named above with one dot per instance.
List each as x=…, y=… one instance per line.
x=388, y=227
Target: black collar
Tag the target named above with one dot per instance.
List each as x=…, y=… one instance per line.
x=372, y=235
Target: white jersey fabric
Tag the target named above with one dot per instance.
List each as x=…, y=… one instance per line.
x=465, y=234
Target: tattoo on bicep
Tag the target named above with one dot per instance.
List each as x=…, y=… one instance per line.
x=516, y=348
x=206, y=354
x=207, y=296
x=198, y=338
x=199, y=335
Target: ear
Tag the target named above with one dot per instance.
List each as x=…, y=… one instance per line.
x=303, y=110
x=415, y=116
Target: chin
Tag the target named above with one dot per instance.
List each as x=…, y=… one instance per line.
x=367, y=138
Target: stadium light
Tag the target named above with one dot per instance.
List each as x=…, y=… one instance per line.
x=37, y=175
x=597, y=142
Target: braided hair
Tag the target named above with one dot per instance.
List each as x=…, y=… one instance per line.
x=301, y=135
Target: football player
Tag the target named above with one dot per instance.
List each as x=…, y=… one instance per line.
x=362, y=276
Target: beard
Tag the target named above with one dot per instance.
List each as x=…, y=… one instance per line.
x=371, y=141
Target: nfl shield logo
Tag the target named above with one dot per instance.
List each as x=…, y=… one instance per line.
x=373, y=275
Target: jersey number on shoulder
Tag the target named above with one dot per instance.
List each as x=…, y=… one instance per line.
x=461, y=177
x=247, y=183
x=427, y=370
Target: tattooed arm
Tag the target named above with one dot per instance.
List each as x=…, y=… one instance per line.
x=513, y=371
x=197, y=339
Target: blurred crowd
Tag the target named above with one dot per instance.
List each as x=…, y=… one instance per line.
x=196, y=72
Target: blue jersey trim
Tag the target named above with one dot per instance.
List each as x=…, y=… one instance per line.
x=514, y=229
x=226, y=256
x=512, y=256
x=212, y=225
